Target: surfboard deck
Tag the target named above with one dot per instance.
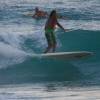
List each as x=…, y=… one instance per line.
x=65, y=55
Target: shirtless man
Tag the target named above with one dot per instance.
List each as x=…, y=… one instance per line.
x=39, y=13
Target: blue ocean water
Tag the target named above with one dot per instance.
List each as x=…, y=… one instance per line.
x=26, y=78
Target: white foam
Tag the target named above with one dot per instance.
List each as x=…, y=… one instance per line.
x=9, y=51
x=10, y=55
x=11, y=44
x=48, y=92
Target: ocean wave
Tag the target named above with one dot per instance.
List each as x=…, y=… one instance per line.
x=21, y=35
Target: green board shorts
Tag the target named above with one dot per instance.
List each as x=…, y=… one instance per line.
x=50, y=36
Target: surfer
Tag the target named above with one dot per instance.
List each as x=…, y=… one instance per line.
x=42, y=14
x=39, y=13
x=49, y=31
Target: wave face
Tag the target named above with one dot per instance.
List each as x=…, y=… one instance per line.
x=21, y=35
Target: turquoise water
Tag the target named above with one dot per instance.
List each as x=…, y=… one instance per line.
x=21, y=35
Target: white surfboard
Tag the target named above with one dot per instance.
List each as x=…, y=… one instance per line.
x=65, y=55
x=28, y=14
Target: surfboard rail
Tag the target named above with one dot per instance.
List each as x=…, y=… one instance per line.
x=65, y=55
